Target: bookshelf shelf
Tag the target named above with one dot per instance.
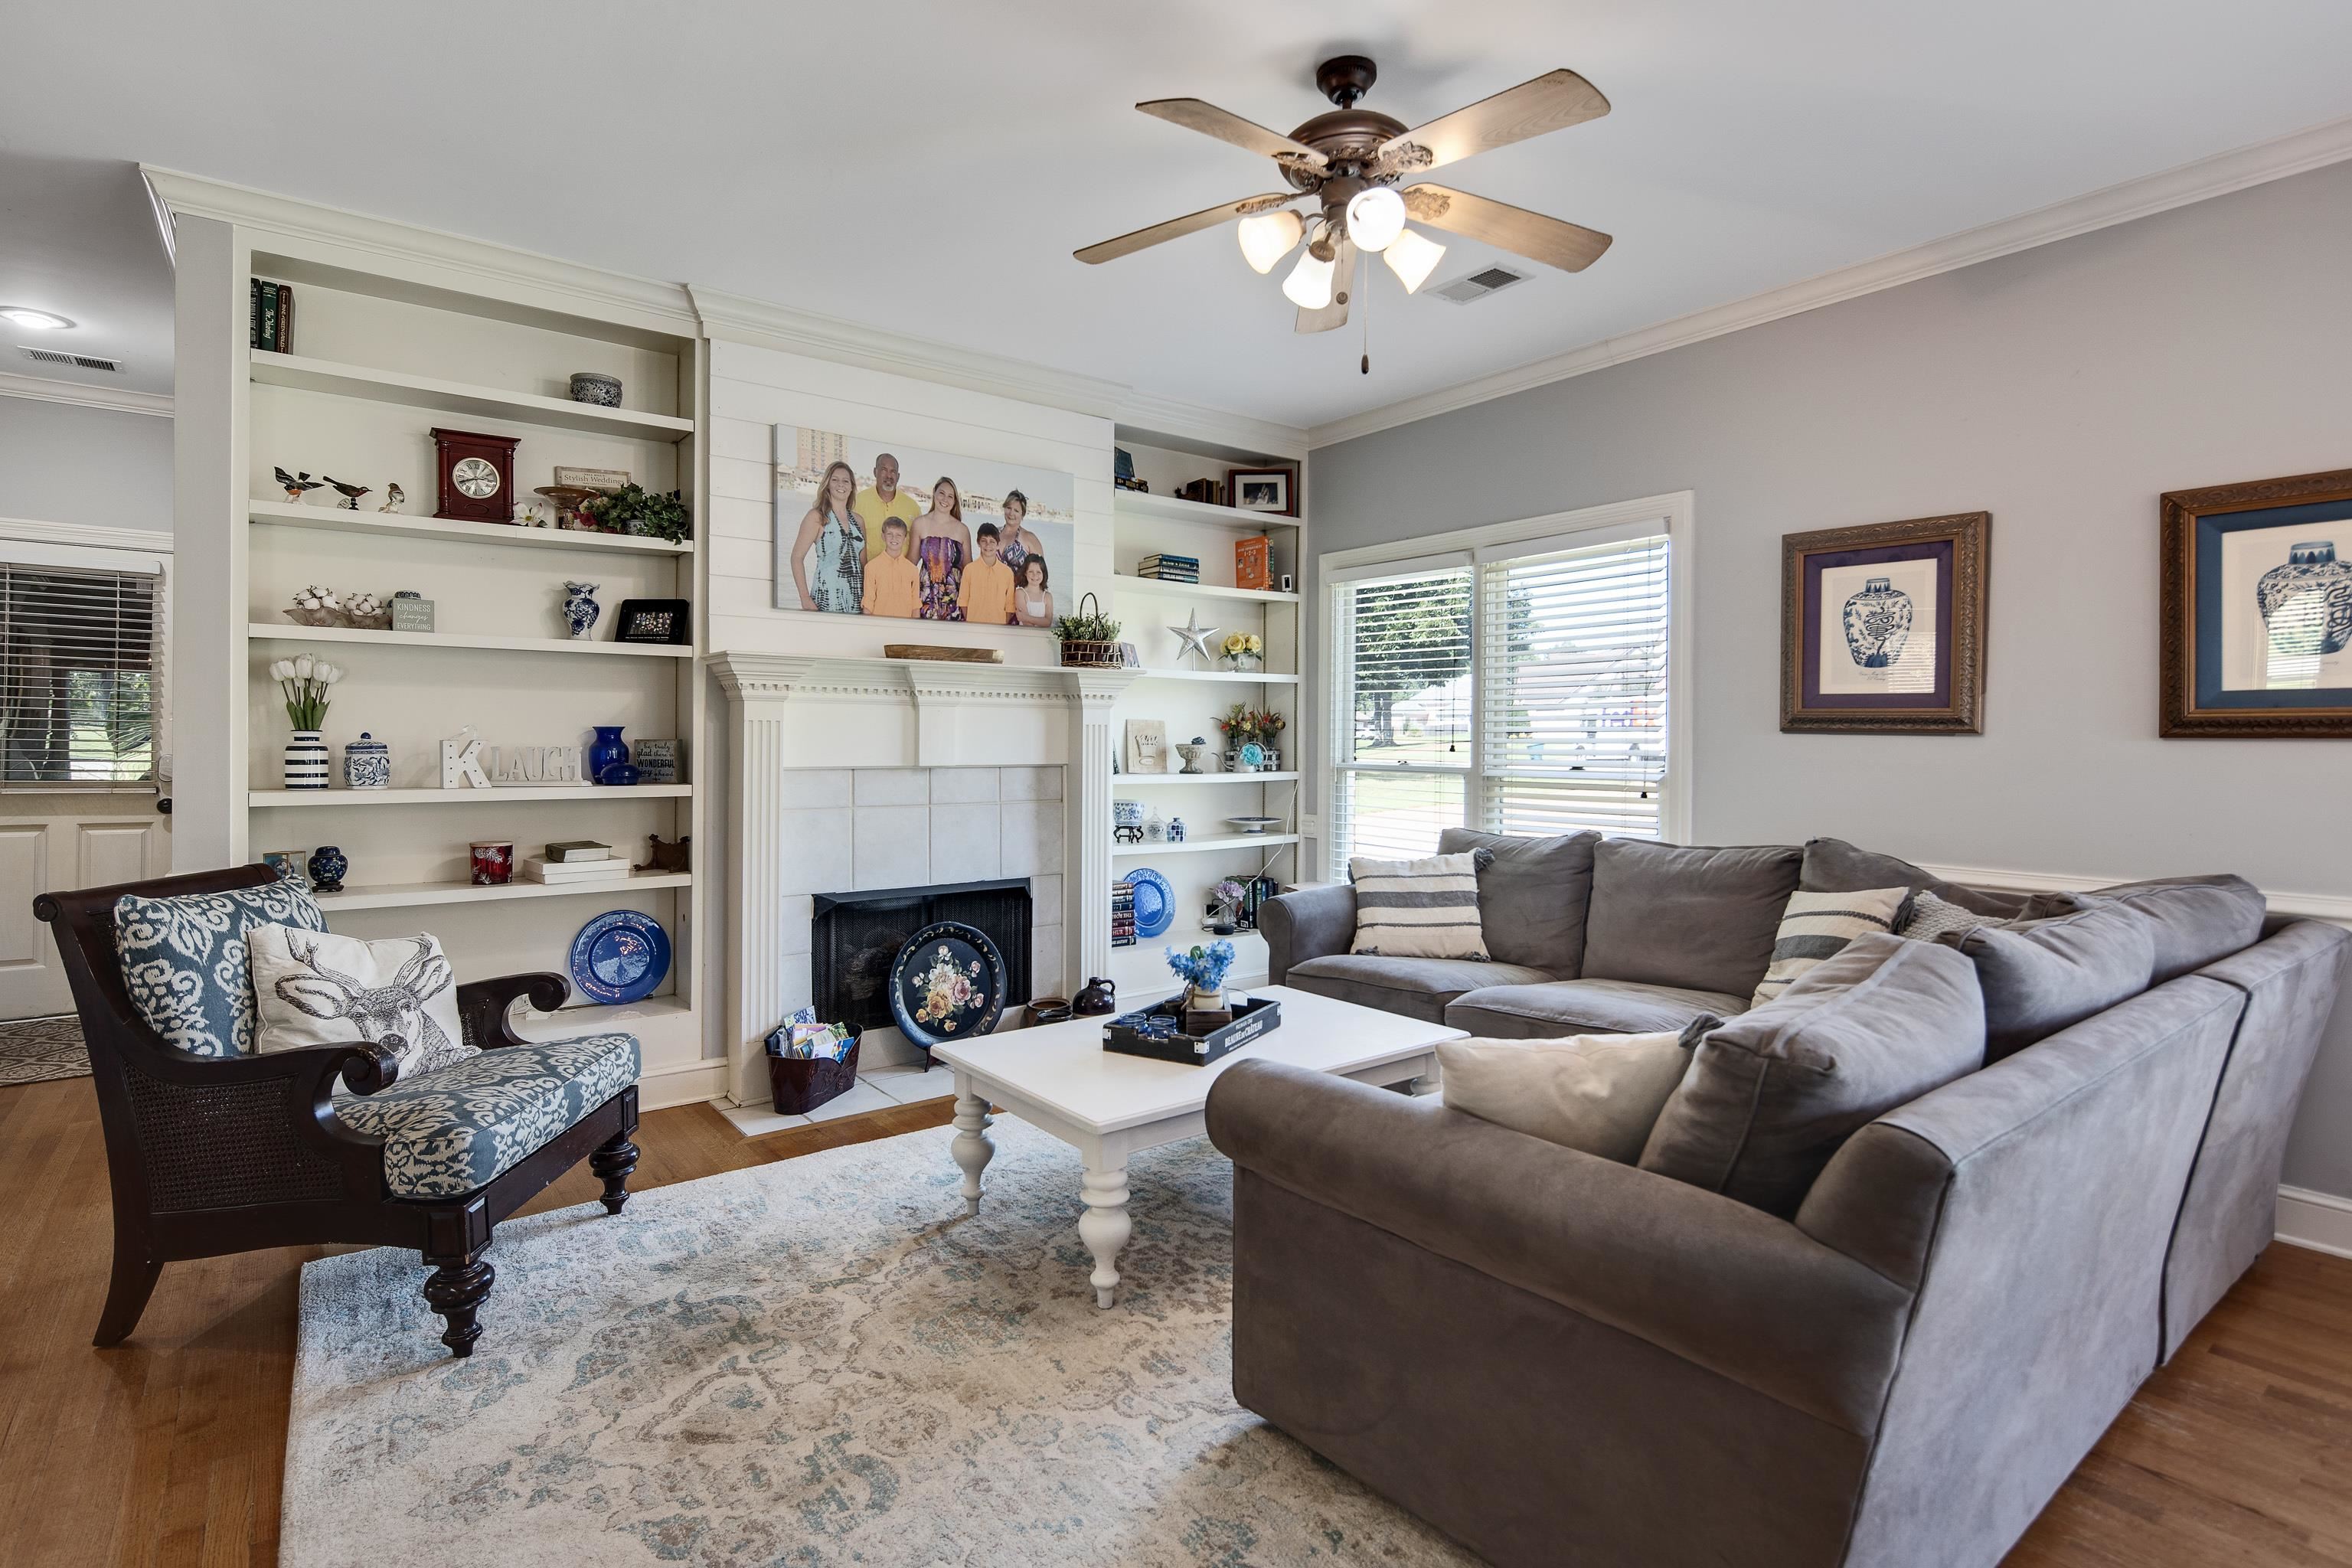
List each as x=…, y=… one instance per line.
x=1175, y=508
x=1205, y=845
x=262, y=631
x=1204, y=591
x=455, y=398
x=285, y=515
x=494, y=796
x=409, y=895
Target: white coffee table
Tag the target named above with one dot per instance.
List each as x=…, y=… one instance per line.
x=1108, y=1106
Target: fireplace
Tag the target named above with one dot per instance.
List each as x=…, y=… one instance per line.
x=857, y=935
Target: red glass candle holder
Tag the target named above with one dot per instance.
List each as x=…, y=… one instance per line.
x=493, y=865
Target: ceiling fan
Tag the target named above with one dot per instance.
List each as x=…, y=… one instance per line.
x=1349, y=163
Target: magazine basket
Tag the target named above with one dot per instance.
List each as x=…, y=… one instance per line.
x=801, y=1084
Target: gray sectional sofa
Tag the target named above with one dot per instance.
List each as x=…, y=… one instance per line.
x=1556, y=1358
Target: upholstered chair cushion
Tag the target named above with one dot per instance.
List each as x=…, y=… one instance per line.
x=1599, y=1093
x=1834, y=866
x=185, y=963
x=315, y=988
x=1772, y=1094
x=1532, y=896
x=2199, y=919
x=1671, y=914
x=1816, y=926
x=454, y=1130
x=1427, y=908
x=2043, y=976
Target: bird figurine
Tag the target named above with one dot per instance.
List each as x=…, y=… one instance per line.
x=351, y=493
x=393, y=496
x=296, y=484
x=1195, y=636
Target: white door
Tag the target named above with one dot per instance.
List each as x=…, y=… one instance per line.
x=55, y=844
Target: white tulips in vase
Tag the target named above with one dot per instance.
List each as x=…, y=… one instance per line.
x=305, y=681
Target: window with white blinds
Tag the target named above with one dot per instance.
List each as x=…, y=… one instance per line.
x=78, y=677
x=1404, y=647
x=1524, y=691
x=1572, y=728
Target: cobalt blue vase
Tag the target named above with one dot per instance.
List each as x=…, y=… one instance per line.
x=606, y=751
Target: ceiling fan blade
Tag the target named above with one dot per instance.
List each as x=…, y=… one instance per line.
x=1177, y=228
x=1553, y=102
x=1343, y=289
x=1193, y=114
x=1565, y=246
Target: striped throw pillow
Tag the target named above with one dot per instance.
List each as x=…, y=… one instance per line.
x=1418, y=909
x=1815, y=926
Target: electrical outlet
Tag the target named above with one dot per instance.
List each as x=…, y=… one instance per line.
x=1311, y=825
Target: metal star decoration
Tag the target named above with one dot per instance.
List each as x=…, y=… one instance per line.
x=1195, y=636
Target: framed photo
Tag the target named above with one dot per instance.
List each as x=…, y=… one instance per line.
x=666, y=621
x=2257, y=609
x=1883, y=627
x=1272, y=490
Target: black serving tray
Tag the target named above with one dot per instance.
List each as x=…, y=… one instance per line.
x=1252, y=1016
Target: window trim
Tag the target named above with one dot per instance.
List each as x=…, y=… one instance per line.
x=29, y=542
x=1675, y=513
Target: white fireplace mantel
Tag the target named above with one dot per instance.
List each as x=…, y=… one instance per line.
x=792, y=712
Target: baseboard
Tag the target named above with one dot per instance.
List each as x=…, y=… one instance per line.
x=2320, y=1221
x=688, y=1083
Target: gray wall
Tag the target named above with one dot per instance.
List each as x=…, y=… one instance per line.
x=2061, y=389
x=62, y=462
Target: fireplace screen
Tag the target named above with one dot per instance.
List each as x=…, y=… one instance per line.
x=858, y=935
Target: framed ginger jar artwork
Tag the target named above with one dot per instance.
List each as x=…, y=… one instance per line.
x=2257, y=610
x=1883, y=627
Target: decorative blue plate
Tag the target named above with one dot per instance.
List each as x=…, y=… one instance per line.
x=1155, y=901
x=947, y=984
x=620, y=956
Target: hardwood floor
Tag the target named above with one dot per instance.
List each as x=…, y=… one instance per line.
x=168, y=1451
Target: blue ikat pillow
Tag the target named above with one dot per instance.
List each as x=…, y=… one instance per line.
x=185, y=962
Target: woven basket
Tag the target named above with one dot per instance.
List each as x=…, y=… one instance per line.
x=1078, y=654
x=800, y=1084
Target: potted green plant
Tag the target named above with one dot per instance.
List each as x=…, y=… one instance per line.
x=634, y=509
x=1090, y=638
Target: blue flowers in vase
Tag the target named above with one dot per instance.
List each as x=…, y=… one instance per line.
x=1203, y=969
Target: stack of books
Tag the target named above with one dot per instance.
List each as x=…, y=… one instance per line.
x=272, y=326
x=1122, y=914
x=1166, y=568
x=582, y=860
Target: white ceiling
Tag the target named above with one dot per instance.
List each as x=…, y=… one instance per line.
x=928, y=166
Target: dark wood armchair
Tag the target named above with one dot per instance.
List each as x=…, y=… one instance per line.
x=218, y=1154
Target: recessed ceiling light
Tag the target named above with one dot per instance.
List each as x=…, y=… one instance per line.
x=40, y=320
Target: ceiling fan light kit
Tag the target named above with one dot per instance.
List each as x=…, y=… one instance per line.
x=1266, y=237
x=1350, y=161
x=1412, y=259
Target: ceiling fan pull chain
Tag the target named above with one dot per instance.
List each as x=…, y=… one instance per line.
x=1364, y=293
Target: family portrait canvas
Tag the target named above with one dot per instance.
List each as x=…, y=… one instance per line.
x=866, y=527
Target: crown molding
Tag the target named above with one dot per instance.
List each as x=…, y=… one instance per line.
x=2218, y=175
x=478, y=265
x=737, y=318
x=1249, y=438
x=121, y=400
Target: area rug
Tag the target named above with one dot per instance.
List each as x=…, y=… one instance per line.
x=813, y=1363
x=34, y=1050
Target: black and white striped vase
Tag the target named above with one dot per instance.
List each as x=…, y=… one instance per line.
x=305, y=761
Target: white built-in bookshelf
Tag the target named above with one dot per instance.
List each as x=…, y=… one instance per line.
x=389, y=340
x=1189, y=698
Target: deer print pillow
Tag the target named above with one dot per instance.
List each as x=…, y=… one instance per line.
x=314, y=988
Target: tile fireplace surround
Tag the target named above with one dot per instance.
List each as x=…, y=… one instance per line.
x=853, y=774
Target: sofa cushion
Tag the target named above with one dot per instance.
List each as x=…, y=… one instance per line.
x=1772, y=1094
x=1417, y=987
x=1816, y=926
x=1417, y=908
x=185, y=964
x=1834, y=866
x=1671, y=914
x=1532, y=895
x=2049, y=975
x=2199, y=919
x=1547, y=1011
x=1930, y=917
x=1599, y=1093
x=455, y=1130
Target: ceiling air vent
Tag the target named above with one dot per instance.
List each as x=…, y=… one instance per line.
x=1478, y=285
x=58, y=356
